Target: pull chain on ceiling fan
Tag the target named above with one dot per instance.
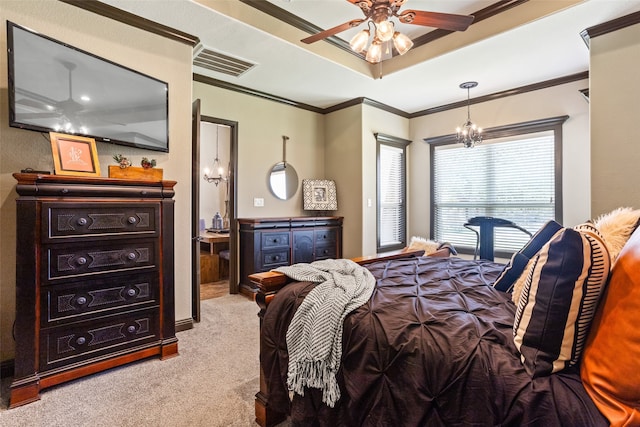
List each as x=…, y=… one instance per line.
x=377, y=14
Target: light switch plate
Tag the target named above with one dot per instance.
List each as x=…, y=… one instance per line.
x=258, y=202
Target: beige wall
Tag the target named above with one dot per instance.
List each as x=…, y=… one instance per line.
x=261, y=125
x=615, y=113
x=351, y=161
x=374, y=121
x=344, y=165
x=551, y=102
x=150, y=54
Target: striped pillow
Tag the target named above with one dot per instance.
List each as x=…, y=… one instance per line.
x=519, y=260
x=562, y=287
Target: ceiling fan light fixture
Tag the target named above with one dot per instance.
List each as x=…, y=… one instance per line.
x=374, y=54
x=384, y=30
x=402, y=43
x=359, y=42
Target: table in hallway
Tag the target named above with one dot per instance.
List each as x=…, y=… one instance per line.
x=210, y=263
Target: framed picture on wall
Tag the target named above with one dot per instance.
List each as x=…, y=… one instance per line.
x=74, y=155
x=319, y=195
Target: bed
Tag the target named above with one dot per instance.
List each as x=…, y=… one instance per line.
x=434, y=346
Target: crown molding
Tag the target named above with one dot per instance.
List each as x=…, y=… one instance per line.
x=506, y=130
x=505, y=93
x=479, y=15
x=609, y=26
x=367, y=101
x=247, y=91
x=134, y=20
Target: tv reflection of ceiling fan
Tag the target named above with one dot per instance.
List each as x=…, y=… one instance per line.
x=378, y=12
x=66, y=114
x=68, y=108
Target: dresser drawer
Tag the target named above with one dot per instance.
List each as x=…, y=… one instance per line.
x=76, y=260
x=325, y=236
x=66, y=220
x=325, y=252
x=77, y=342
x=275, y=258
x=82, y=299
x=274, y=240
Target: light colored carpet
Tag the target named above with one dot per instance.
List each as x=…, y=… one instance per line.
x=211, y=383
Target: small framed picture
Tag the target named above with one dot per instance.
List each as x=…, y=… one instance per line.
x=319, y=194
x=74, y=155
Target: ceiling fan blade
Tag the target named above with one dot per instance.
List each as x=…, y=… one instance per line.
x=33, y=116
x=446, y=21
x=33, y=104
x=331, y=31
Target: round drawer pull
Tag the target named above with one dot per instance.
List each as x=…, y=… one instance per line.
x=64, y=191
x=132, y=220
x=131, y=292
x=82, y=221
x=276, y=257
x=81, y=340
x=131, y=329
x=275, y=240
x=143, y=192
x=82, y=260
x=81, y=300
x=131, y=255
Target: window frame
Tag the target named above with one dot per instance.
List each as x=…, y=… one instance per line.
x=553, y=124
x=396, y=142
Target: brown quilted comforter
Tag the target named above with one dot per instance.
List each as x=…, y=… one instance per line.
x=432, y=347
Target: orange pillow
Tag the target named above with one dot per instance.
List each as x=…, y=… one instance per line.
x=610, y=368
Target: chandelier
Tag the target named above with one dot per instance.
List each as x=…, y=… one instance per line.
x=469, y=134
x=383, y=32
x=217, y=166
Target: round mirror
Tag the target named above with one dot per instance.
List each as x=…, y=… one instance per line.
x=283, y=180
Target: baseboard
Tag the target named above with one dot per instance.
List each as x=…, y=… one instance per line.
x=7, y=368
x=184, y=324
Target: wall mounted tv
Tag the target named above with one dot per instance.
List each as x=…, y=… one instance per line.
x=56, y=87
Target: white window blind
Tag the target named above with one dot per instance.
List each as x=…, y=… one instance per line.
x=391, y=197
x=513, y=179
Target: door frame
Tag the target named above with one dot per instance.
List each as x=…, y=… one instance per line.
x=196, y=180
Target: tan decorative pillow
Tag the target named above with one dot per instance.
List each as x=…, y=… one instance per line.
x=422, y=244
x=616, y=227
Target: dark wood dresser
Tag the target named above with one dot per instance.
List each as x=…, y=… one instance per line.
x=268, y=243
x=94, y=277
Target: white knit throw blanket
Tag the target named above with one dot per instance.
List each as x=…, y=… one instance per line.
x=314, y=337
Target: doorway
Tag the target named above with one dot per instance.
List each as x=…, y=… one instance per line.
x=214, y=248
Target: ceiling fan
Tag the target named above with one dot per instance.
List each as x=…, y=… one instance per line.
x=378, y=12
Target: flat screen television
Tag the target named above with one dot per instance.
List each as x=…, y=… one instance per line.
x=55, y=87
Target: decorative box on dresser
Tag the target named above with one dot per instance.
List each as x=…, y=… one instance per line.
x=268, y=243
x=94, y=277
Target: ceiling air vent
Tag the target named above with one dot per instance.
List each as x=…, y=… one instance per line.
x=221, y=63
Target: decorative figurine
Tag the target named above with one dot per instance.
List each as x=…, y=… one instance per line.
x=122, y=161
x=148, y=164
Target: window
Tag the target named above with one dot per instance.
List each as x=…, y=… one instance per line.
x=515, y=174
x=392, y=189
